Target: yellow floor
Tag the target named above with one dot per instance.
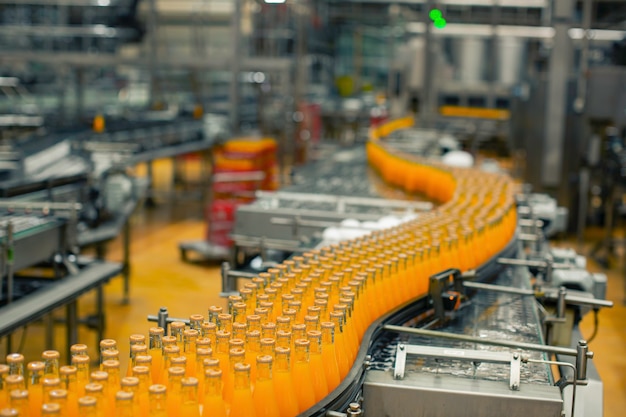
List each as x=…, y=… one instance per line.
x=160, y=278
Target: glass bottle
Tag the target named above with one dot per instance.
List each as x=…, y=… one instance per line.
x=88, y=407
x=131, y=384
x=96, y=391
x=285, y=392
x=9, y=412
x=253, y=349
x=51, y=360
x=19, y=401
x=189, y=339
x=268, y=330
x=176, y=329
x=158, y=403
x=142, y=373
x=329, y=356
x=107, y=344
x=175, y=376
x=221, y=351
x=298, y=331
x=155, y=349
x=301, y=374
x=4, y=393
x=236, y=355
x=342, y=349
x=69, y=382
x=50, y=384
x=242, y=404
x=135, y=350
x=16, y=363
x=239, y=330
x=264, y=394
x=169, y=352
x=105, y=404
x=51, y=410
x=81, y=362
x=214, y=405
x=59, y=396
x=268, y=346
x=144, y=361
x=254, y=322
x=78, y=349
x=214, y=311
x=111, y=354
x=283, y=339
x=35, y=387
x=112, y=368
x=225, y=322
x=124, y=406
x=189, y=406
x=14, y=382
x=318, y=374
x=195, y=322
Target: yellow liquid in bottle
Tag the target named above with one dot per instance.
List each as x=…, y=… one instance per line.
x=264, y=399
x=318, y=376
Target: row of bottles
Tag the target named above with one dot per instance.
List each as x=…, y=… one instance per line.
x=292, y=334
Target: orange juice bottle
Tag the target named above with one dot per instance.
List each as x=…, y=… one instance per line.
x=174, y=387
x=88, y=407
x=69, y=381
x=96, y=391
x=236, y=355
x=283, y=339
x=50, y=410
x=107, y=344
x=176, y=329
x=142, y=373
x=16, y=363
x=112, y=368
x=4, y=393
x=268, y=330
x=169, y=352
x=268, y=346
x=35, y=388
x=253, y=349
x=155, y=349
x=301, y=373
x=189, y=338
x=49, y=384
x=344, y=341
x=283, y=323
x=195, y=322
x=264, y=395
x=318, y=375
x=158, y=403
x=131, y=384
x=214, y=405
x=329, y=356
x=100, y=378
x=243, y=404
x=225, y=322
x=19, y=401
x=222, y=348
x=239, y=330
x=213, y=313
x=59, y=396
x=124, y=404
x=81, y=362
x=207, y=330
x=179, y=361
x=298, y=331
x=285, y=392
x=9, y=412
x=201, y=355
x=254, y=322
x=189, y=406
x=135, y=350
x=239, y=312
x=113, y=354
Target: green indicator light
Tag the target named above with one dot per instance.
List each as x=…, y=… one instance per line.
x=435, y=14
x=440, y=23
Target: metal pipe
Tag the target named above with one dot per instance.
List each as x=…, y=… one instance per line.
x=531, y=263
x=515, y=345
x=583, y=354
x=498, y=288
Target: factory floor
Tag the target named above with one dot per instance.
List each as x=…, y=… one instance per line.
x=159, y=278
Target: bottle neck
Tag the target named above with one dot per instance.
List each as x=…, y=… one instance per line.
x=34, y=378
x=155, y=341
x=316, y=345
x=213, y=385
x=281, y=362
x=242, y=379
x=301, y=354
x=263, y=371
x=328, y=335
x=189, y=393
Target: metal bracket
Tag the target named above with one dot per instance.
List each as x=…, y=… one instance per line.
x=438, y=284
x=474, y=356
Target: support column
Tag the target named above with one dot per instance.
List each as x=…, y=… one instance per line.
x=235, y=66
x=556, y=94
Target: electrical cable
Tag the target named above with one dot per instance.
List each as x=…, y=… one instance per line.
x=595, y=326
